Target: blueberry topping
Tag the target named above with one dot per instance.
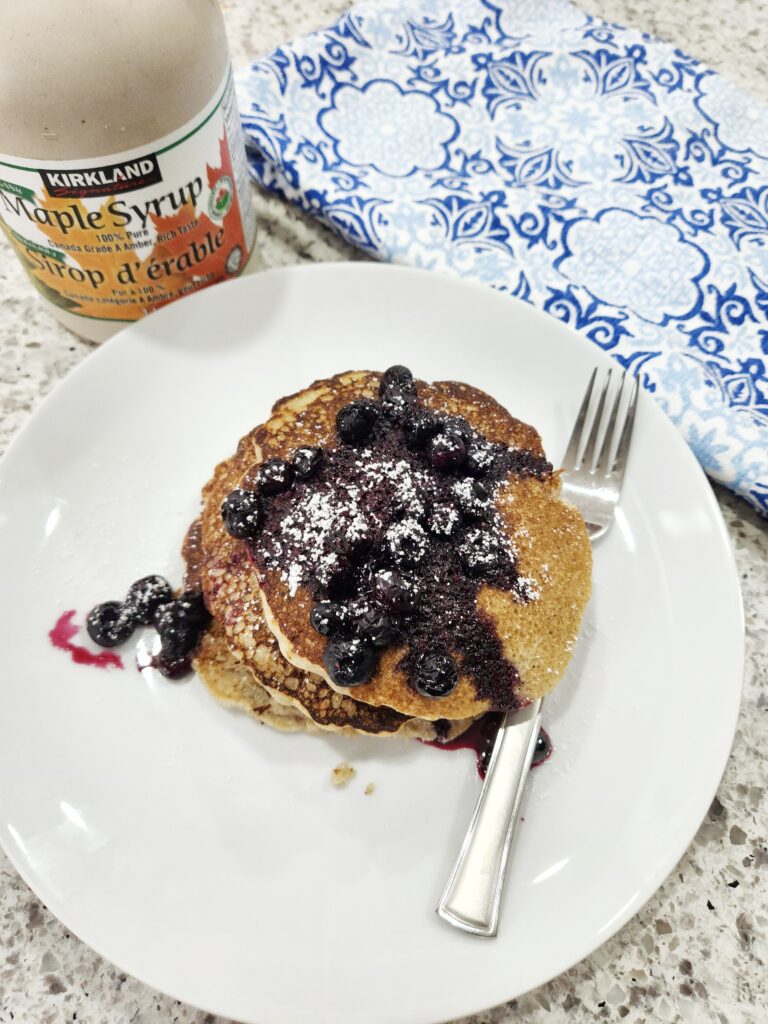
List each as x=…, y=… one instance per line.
x=397, y=405
x=375, y=627
x=353, y=540
x=458, y=425
x=399, y=377
x=356, y=421
x=349, y=662
x=419, y=427
x=446, y=451
x=406, y=543
x=192, y=603
x=110, y=623
x=274, y=476
x=306, y=462
x=178, y=633
x=480, y=552
x=396, y=591
x=443, y=520
x=394, y=534
x=472, y=497
x=241, y=512
x=335, y=575
x=147, y=594
x=436, y=674
x=480, y=457
x=329, y=618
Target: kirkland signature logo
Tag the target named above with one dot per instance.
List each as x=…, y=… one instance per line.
x=103, y=181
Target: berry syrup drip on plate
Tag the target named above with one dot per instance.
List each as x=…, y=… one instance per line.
x=480, y=737
x=62, y=636
x=394, y=531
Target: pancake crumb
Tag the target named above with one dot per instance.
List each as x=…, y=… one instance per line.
x=342, y=774
x=369, y=788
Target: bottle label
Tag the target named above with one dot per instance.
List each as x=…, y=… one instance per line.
x=117, y=237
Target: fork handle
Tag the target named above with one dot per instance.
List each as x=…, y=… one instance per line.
x=472, y=897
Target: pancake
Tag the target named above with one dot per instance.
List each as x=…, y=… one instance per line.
x=239, y=659
x=235, y=685
x=533, y=620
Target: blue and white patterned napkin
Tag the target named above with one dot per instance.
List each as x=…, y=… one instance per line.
x=602, y=175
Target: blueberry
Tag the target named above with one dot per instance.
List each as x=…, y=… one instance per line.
x=147, y=594
x=458, y=425
x=335, y=575
x=329, y=618
x=396, y=591
x=349, y=662
x=358, y=607
x=436, y=674
x=306, y=462
x=480, y=552
x=443, y=519
x=406, y=503
x=397, y=405
x=192, y=604
x=406, y=543
x=178, y=633
x=419, y=427
x=399, y=377
x=480, y=457
x=110, y=623
x=353, y=540
x=274, y=476
x=446, y=451
x=375, y=627
x=472, y=497
x=241, y=512
x=543, y=749
x=173, y=668
x=355, y=421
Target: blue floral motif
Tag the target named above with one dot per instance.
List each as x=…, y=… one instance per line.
x=320, y=71
x=740, y=124
x=420, y=39
x=393, y=130
x=616, y=74
x=511, y=81
x=537, y=167
x=651, y=155
x=691, y=219
x=465, y=222
x=745, y=215
x=635, y=263
x=605, y=177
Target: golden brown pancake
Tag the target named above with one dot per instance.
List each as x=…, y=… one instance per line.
x=235, y=685
x=536, y=623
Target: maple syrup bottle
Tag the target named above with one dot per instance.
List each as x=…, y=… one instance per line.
x=123, y=178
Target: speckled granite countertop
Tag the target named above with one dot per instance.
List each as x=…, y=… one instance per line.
x=698, y=952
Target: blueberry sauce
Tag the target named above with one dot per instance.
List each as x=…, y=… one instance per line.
x=62, y=635
x=480, y=738
x=394, y=520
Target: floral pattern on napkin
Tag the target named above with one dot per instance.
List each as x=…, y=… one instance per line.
x=602, y=175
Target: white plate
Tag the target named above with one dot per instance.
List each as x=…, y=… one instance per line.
x=211, y=857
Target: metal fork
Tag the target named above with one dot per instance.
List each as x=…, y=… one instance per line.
x=594, y=465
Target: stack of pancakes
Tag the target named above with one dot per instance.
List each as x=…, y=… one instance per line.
x=261, y=653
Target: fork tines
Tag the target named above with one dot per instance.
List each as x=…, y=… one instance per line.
x=604, y=452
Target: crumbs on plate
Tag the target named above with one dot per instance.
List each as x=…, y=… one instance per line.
x=342, y=774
